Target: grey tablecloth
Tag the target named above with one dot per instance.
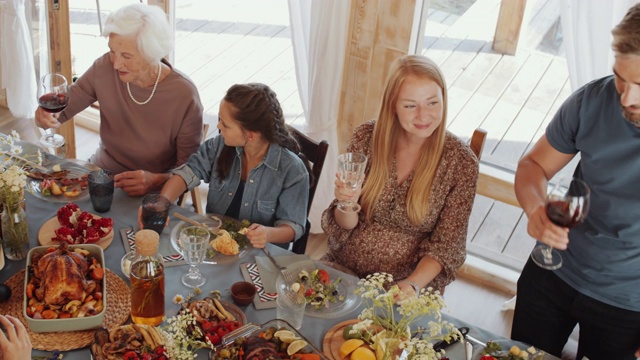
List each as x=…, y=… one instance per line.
x=220, y=277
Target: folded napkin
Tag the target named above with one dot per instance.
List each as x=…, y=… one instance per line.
x=269, y=272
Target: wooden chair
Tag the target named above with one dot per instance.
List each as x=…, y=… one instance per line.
x=477, y=142
x=493, y=183
x=315, y=153
x=195, y=196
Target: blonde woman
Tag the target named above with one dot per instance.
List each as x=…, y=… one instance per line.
x=418, y=189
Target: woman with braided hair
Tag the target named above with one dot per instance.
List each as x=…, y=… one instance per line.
x=252, y=168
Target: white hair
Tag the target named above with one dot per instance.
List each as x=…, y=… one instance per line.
x=148, y=23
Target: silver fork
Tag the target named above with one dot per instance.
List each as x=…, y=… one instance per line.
x=288, y=276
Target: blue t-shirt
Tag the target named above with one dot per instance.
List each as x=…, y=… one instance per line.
x=603, y=257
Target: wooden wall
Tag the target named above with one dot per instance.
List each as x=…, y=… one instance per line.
x=60, y=54
x=379, y=32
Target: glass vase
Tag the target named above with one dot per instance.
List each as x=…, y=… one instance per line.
x=15, y=230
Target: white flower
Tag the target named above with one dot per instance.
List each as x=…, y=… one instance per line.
x=382, y=313
x=181, y=345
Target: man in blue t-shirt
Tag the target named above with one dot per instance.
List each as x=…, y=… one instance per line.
x=598, y=284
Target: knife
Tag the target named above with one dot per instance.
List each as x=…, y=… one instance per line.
x=468, y=349
x=475, y=341
x=442, y=344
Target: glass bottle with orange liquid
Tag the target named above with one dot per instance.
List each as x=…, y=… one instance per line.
x=147, y=280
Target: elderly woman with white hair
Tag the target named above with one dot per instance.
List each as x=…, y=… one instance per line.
x=150, y=113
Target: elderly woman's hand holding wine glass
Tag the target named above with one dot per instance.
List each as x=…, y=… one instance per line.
x=53, y=97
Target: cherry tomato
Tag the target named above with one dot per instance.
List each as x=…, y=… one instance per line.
x=487, y=357
x=214, y=338
x=207, y=325
x=222, y=331
x=323, y=276
x=130, y=355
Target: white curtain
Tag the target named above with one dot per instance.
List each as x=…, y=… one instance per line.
x=16, y=59
x=587, y=26
x=319, y=58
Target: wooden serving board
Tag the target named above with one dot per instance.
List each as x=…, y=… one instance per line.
x=47, y=231
x=333, y=339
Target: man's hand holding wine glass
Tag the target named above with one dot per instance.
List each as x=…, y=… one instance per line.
x=567, y=206
x=541, y=228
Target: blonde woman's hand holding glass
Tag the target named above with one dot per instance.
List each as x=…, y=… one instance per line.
x=344, y=194
x=351, y=168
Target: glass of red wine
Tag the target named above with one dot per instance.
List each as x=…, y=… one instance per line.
x=53, y=97
x=567, y=206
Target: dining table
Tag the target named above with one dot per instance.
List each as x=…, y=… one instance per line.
x=220, y=276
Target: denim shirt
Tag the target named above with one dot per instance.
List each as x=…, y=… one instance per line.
x=276, y=191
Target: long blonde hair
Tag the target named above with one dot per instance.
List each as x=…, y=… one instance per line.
x=385, y=136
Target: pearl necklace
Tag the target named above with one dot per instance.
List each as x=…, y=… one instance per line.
x=152, y=91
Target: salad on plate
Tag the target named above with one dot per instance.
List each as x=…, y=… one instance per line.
x=318, y=288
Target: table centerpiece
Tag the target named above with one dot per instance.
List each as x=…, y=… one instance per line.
x=388, y=323
x=13, y=178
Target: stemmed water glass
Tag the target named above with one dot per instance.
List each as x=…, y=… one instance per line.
x=351, y=169
x=53, y=97
x=194, y=241
x=567, y=206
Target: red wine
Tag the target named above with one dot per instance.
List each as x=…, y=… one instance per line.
x=563, y=214
x=53, y=103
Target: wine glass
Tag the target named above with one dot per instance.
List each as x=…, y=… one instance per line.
x=194, y=241
x=351, y=169
x=53, y=97
x=567, y=206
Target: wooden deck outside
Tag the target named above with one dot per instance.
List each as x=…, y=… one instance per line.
x=512, y=97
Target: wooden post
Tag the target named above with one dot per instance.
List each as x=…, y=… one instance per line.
x=60, y=52
x=508, y=28
x=379, y=32
x=169, y=8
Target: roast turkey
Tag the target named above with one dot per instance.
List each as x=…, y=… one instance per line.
x=61, y=276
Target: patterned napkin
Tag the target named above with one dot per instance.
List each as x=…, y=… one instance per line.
x=170, y=256
x=251, y=274
x=263, y=275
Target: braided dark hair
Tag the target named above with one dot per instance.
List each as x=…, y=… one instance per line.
x=256, y=108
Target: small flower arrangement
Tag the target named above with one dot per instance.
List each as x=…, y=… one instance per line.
x=181, y=341
x=182, y=332
x=13, y=178
x=387, y=322
x=13, y=168
x=12, y=153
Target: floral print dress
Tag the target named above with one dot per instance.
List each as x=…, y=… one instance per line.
x=390, y=242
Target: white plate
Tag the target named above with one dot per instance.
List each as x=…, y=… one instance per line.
x=346, y=287
x=506, y=345
x=215, y=259
x=77, y=168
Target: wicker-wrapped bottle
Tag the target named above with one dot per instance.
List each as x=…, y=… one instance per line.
x=147, y=280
